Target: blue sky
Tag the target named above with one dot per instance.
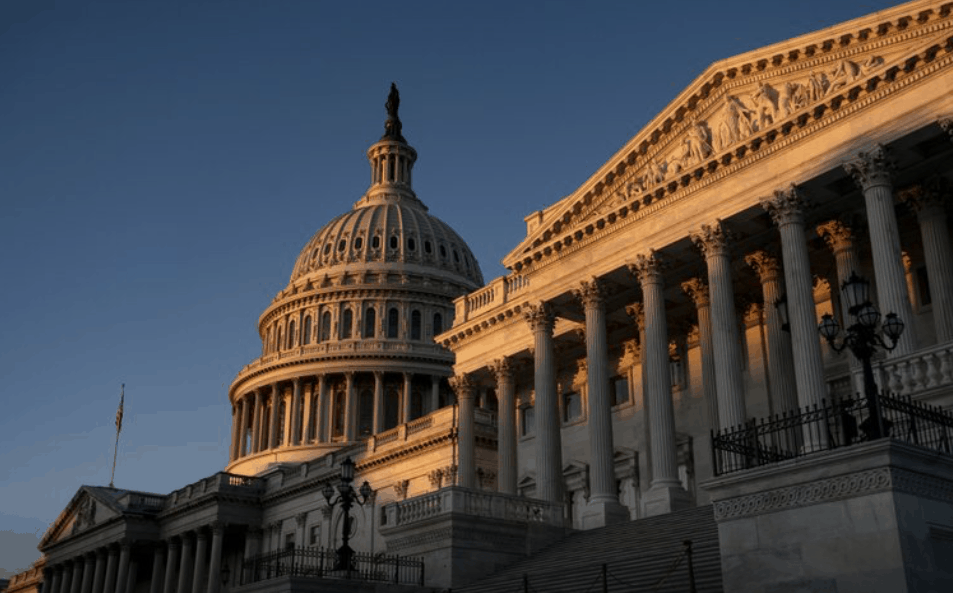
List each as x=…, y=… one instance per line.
x=162, y=163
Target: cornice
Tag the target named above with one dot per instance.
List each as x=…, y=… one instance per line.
x=828, y=46
x=464, y=332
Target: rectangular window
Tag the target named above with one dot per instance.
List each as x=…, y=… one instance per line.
x=572, y=406
x=528, y=421
x=289, y=541
x=314, y=535
x=620, y=390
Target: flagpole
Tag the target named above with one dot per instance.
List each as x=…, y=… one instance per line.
x=122, y=399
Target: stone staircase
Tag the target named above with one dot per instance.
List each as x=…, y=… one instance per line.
x=638, y=554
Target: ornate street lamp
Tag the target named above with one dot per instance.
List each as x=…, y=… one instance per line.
x=863, y=339
x=346, y=498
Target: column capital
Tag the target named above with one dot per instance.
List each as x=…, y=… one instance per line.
x=697, y=290
x=296, y=382
x=300, y=518
x=712, y=239
x=787, y=206
x=928, y=198
x=648, y=268
x=463, y=386
x=871, y=168
x=836, y=234
x=503, y=369
x=540, y=317
x=591, y=293
x=637, y=311
x=766, y=265
x=947, y=125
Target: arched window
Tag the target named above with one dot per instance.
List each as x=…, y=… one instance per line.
x=347, y=321
x=415, y=325
x=370, y=322
x=437, y=324
x=337, y=426
x=306, y=338
x=393, y=323
x=291, y=334
x=325, y=326
x=391, y=408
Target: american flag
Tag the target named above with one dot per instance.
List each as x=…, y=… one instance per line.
x=122, y=399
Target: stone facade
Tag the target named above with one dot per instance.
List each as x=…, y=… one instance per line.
x=580, y=390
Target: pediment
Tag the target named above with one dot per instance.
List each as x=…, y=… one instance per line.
x=87, y=509
x=737, y=101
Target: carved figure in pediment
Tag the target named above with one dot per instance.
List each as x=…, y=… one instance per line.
x=734, y=123
x=85, y=516
x=699, y=142
x=656, y=171
x=765, y=106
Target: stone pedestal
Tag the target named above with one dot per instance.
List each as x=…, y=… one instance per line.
x=600, y=513
x=874, y=517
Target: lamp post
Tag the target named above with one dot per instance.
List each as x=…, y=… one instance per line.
x=346, y=498
x=863, y=339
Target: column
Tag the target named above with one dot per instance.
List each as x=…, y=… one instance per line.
x=840, y=240
x=158, y=568
x=434, y=393
x=697, y=291
x=122, y=574
x=215, y=564
x=726, y=338
x=322, y=417
x=466, y=395
x=307, y=401
x=90, y=566
x=100, y=576
x=113, y=558
x=787, y=210
x=256, y=422
x=243, y=430
x=200, y=564
x=350, y=408
x=928, y=201
x=187, y=558
x=132, y=576
x=665, y=492
x=76, y=575
x=506, y=425
x=872, y=171
x=57, y=580
x=296, y=410
x=408, y=378
x=273, y=431
x=233, y=449
x=378, y=402
x=549, y=471
x=252, y=543
x=780, y=356
x=168, y=584
x=603, y=507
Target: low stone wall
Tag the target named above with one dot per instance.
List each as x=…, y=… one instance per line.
x=874, y=517
x=463, y=534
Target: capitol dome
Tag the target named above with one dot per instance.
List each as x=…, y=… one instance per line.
x=348, y=347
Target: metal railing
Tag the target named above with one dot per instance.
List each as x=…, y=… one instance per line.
x=830, y=425
x=322, y=563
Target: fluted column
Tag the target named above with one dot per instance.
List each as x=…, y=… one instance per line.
x=787, y=210
x=929, y=201
x=697, y=290
x=113, y=558
x=322, y=418
x=256, y=421
x=296, y=409
x=466, y=395
x=405, y=401
x=215, y=563
x=122, y=574
x=506, y=425
x=780, y=356
x=307, y=412
x=603, y=507
x=76, y=575
x=273, y=430
x=713, y=241
x=100, y=575
x=872, y=171
x=158, y=568
x=840, y=239
x=665, y=491
x=233, y=443
x=57, y=582
x=242, y=448
x=172, y=558
x=549, y=478
x=378, y=401
x=186, y=563
x=132, y=575
x=88, y=568
x=350, y=408
x=200, y=564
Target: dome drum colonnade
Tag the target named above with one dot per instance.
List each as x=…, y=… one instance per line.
x=347, y=346
x=756, y=214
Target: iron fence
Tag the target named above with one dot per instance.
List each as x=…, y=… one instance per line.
x=832, y=424
x=322, y=563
